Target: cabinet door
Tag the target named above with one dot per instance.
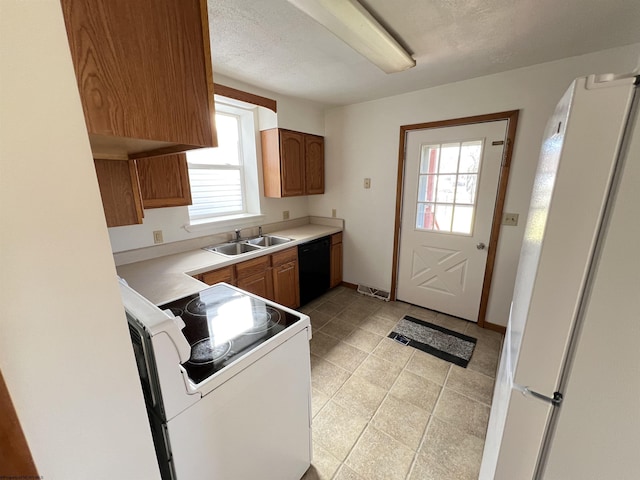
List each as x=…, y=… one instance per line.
x=225, y=274
x=260, y=284
x=143, y=69
x=286, y=281
x=292, y=163
x=120, y=192
x=336, y=260
x=164, y=181
x=271, y=165
x=255, y=276
x=314, y=166
x=286, y=290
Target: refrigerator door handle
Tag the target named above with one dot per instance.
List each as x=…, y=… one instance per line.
x=555, y=401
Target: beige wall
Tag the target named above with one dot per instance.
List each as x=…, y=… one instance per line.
x=362, y=141
x=65, y=350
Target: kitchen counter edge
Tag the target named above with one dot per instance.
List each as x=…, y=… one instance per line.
x=168, y=278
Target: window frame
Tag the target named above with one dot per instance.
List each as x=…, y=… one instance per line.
x=437, y=175
x=248, y=167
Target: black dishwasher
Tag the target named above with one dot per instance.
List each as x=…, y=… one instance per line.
x=314, y=264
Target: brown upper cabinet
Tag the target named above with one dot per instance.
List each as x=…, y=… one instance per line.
x=164, y=181
x=292, y=163
x=314, y=164
x=144, y=74
x=120, y=191
x=129, y=186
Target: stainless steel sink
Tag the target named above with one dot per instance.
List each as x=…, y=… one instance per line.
x=268, y=240
x=233, y=248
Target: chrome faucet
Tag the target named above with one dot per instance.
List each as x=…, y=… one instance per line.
x=260, y=231
x=238, y=237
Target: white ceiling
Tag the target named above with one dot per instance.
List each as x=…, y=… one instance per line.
x=271, y=44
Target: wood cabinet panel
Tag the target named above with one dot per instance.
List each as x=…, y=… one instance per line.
x=286, y=277
x=260, y=284
x=286, y=289
x=252, y=267
x=292, y=163
x=144, y=73
x=272, y=180
x=15, y=457
x=336, y=260
x=280, y=283
x=164, y=181
x=314, y=164
x=226, y=274
x=255, y=276
x=120, y=192
x=284, y=256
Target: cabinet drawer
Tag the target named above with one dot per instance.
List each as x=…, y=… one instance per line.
x=252, y=267
x=336, y=238
x=225, y=274
x=288, y=255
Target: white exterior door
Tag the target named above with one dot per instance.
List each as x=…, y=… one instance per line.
x=450, y=185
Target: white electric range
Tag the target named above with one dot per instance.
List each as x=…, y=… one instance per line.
x=226, y=379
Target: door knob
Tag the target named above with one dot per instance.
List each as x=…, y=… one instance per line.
x=481, y=246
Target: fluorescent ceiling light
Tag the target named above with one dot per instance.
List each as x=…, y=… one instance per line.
x=349, y=20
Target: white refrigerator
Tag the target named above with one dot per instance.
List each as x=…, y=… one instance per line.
x=567, y=396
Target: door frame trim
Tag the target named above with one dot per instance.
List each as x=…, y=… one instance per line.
x=511, y=117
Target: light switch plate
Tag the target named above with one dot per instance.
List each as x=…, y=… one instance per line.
x=510, y=219
x=285, y=214
x=367, y=183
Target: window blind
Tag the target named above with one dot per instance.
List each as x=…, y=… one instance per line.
x=215, y=191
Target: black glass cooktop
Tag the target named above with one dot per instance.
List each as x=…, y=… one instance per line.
x=222, y=324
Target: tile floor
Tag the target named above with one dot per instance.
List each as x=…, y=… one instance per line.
x=382, y=410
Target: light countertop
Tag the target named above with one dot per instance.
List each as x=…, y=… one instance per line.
x=168, y=278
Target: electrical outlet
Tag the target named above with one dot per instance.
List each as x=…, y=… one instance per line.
x=333, y=212
x=367, y=183
x=510, y=219
x=157, y=236
x=285, y=214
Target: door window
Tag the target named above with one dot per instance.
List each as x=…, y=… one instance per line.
x=447, y=186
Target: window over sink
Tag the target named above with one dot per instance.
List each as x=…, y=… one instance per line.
x=224, y=180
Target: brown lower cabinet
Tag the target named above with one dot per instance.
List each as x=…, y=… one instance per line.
x=286, y=283
x=226, y=274
x=255, y=276
x=336, y=260
x=274, y=277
